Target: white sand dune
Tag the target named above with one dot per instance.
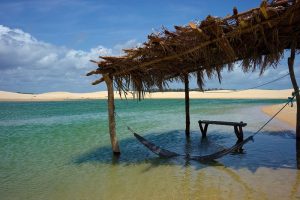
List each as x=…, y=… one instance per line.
x=219, y=94
x=50, y=96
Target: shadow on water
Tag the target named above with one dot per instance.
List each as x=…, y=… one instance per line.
x=276, y=149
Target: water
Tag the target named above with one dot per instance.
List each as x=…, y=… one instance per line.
x=61, y=150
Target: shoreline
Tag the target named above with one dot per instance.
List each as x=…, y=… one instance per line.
x=218, y=94
x=287, y=115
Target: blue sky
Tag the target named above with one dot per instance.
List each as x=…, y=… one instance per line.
x=46, y=45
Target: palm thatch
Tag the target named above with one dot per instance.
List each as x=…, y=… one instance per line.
x=257, y=38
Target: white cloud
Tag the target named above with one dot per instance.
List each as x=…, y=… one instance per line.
x=30, y=65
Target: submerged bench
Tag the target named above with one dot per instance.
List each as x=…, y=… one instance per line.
x=238, y=130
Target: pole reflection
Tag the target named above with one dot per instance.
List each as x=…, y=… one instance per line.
x=298, y=153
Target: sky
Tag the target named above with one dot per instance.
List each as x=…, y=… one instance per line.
x=46, y=46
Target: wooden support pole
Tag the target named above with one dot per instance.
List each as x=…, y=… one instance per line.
x=187, y=105
x=111, y=115
x=296, y=88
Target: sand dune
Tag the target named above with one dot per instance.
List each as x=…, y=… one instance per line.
x=219, y=94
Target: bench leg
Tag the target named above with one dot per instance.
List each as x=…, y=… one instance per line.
x=238, y=130
x=241, y=133
x=240, y=137
x=203, y=130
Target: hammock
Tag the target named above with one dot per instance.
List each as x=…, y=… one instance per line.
x=169, y=154
x=156, y=149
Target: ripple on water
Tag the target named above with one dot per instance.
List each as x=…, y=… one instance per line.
x=49, y=121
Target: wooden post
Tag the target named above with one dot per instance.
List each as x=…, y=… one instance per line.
x=111, y=115
x=187, y=106
x=296, y=88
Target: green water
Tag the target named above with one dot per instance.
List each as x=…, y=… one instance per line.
x=61, y=150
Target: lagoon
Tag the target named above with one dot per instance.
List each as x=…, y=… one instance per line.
x=61, y=150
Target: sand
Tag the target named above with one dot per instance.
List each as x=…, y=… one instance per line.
x=287, y=115
x=220, y=94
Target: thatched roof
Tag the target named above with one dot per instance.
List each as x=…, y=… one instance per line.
x=257, y=38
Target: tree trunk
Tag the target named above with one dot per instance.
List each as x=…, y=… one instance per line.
x=111, y=115
x=296, y=89
x=187, y=106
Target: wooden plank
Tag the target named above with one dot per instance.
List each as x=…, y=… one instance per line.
x=223, y=123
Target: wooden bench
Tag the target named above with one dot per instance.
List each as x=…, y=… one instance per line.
x=238, y=130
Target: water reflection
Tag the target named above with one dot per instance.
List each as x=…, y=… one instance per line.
x=187, y=150
x=298, y=153
x=274, y=150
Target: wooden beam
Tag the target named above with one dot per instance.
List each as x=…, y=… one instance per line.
x=98, y=81
x=187, y=105
x=111, y=115
x=296, y=88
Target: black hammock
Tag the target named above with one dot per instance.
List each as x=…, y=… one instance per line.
x=169, y=154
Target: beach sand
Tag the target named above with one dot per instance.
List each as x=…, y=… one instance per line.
x=219, y=94
x=287, y=115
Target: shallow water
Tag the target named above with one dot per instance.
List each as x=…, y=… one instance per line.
x=61, y=150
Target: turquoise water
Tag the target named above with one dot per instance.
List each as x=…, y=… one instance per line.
x=61, y=150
